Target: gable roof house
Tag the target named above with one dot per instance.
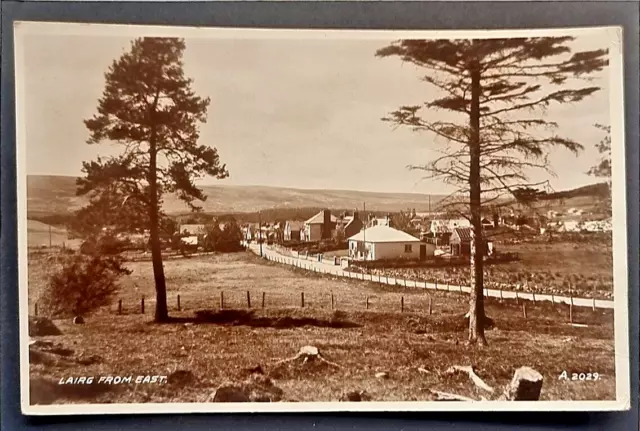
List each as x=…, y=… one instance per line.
x=385, y=242
x=320, y=226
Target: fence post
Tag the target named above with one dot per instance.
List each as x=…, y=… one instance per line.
x=367, y=303
x=402, y=304
x=430, y=306
x=263, y=295
x=221, y=299
x=179, y=303
x=436, y=284
x=534, y=297
x=553, y=302
x=120, y=306
x=517, y=302
x=332, y=303
x=524, y=309
x=387, y=278
x=594, y=304
x=248, y=299
x=501, y=298
x=142, y=305
x=36, y=308
x=571, y=309
x=405, y=282
x=302, y=299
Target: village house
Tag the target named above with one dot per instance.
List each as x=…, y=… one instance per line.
x=379, y=221
x=439, y=226
x=460, y=242
x=384, y=242
x=350, y=225
x=320, y=226
x=292, y=230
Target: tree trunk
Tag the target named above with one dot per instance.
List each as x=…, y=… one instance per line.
x=476, y=299
x=162, y=313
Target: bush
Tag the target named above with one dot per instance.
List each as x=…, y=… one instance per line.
x=83, y=284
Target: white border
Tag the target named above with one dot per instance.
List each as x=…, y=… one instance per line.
x=620, y=268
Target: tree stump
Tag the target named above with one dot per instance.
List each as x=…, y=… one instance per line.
x=525, y=385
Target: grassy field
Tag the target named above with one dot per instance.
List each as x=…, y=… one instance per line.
x=564, y=268
x=362, y=342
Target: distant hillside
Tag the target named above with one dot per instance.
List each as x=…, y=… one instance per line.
x=592, y=190
x=51, y=198
x=55, y=195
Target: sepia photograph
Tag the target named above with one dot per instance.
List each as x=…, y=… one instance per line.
x=260, y=220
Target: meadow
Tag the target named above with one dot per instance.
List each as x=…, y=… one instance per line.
x=413, y=347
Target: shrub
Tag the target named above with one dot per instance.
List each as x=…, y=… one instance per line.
x=83, y=284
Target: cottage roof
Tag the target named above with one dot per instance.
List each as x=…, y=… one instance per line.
x=319, y=219
x=382, y=233
x=464, y=233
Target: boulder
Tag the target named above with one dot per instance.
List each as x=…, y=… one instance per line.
x=525, y=385
x=230, y=393
x=258, y=388
x=41, y=327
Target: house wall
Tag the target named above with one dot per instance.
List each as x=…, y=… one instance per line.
x=313, y=232
x=395, y=250
x=353, y=228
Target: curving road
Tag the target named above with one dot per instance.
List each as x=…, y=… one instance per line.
x=272, y=254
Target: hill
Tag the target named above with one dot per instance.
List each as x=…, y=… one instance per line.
x=52, y=199
x=55, y=195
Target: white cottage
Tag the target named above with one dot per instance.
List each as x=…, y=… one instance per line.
x=384, y=242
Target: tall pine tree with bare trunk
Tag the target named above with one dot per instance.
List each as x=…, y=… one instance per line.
x=494, y=92
x=149, y=108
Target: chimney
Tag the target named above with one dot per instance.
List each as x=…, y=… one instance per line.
x=326, y=224
x=356, y=216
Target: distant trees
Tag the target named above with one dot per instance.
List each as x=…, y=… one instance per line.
x=149, y=108
x=603, y=168
x=402, y=221
x=226, y=239
x=494, y=93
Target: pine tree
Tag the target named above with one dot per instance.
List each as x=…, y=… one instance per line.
x=495, y=92
x=149, y=108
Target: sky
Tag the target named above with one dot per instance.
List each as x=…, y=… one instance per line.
x=302, y=113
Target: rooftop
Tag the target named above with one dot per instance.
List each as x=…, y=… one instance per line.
x=383, y=234
x=319, y=219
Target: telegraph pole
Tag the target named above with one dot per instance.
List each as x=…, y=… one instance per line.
x=364, y=231
x=260, y=231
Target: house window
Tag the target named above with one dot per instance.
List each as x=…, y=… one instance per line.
x=407, y=248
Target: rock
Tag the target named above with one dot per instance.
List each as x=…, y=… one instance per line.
x=258, y=388
x=525, y=385
x=355, y=396
x=382, y=375
x=78, y=320
x=309, y=351
x=229, y=393
x=181, y=378
x=41, y=326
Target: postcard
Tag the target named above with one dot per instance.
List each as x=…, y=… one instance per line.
x=268, y=220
